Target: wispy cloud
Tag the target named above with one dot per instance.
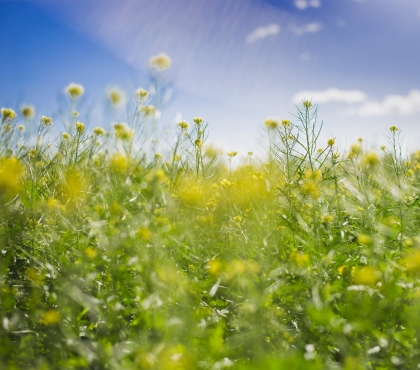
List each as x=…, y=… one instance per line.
x=262, y=32
x=307, y=28
x=392, y=104
x=303, y=4
x=331, y=95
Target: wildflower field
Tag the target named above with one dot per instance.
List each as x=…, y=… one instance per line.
x=121, y=249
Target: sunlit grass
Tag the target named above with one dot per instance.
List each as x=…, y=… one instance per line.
x=126, y=250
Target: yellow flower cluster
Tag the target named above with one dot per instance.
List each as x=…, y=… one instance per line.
x=8, y=114
x=160, y=62
x=74, y=90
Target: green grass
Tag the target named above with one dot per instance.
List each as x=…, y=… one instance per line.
x=116, y=257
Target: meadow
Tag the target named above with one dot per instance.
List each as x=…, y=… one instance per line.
x=122, y=249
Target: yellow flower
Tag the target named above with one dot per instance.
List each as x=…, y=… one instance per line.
x=65, y=135
x=116, y=97
x=99, y=131
x=355, y=150
x=330, y=142
x=142, y=94
x=232, y=154
x=225, y=184
x=160, y=62
x=28, y=112
x=90, y=253
x=307, y=104
x=370, y=160
x=74, y=90
x=271, y=123
x=237, y=219
x=21, y=128
x=8, y=114
x=300, y=259
x=183, y=125
x=214, y=267
x=119, y=163
x=46, y=121
x=313, y=175
x=148, y=110
x=50, y=317
x=411, y=261
x=144, y=233
x=364, y=239
x=11, y=172
x=365, y=276
x=285, y=122
x=393, y=128
x=122, y=132
x=199, y=143
x=198, y=120
x=80, y=127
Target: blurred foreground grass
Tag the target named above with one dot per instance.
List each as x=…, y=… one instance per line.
x=115, y=256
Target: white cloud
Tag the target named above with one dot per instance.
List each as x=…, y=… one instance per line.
x=262, y=32
x=399, y=104
x=307, y=28
x=303, y=4
x=331, y=95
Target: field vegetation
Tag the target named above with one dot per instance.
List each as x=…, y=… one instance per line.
x=122, y=249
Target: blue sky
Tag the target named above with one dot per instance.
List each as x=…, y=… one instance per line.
x=234, y=62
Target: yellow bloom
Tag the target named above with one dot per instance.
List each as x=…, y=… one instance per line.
x=50, y=317
x=142, y=94
x=365, y=239
x=307, y=104
x=119, y=163
x=65, y=135
x=365, y=276
x=330, y=142
x=46, y=121
x=225, y=184
x=116, y=97
x=355, y=150
x=411, y=261
x=28, y=112
x=198, y=120
x=393, y=128
x=300, y=259
x=144, y=233
x=370, y=160
x=90, y=253
x=285, y=122
x=214, y=267
x=148, y=110
x=11, y=172
x=122, y=132
x=199, y=143
x=99, y=131
x=183, y=125
x=8, y=114
x=232, y=154
x=160, y=62
x=74, y=90
x=80, y=127
x=271, y=123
